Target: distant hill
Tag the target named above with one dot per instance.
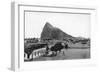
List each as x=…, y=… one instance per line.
x=51, y=32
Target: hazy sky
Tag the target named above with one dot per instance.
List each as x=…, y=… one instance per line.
x=73, y=24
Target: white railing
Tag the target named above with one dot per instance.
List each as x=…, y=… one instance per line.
x=36, y=53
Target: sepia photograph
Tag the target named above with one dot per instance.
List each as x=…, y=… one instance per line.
x=52, y=36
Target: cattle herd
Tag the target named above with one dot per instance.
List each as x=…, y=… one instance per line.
x=45, y=50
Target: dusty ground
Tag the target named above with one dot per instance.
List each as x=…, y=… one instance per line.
x=72, y=53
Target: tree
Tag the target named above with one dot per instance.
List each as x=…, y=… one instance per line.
x=28, y=51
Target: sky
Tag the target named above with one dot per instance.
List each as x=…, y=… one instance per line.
x=77, y=25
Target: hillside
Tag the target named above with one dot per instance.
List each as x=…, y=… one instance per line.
x=51, y=32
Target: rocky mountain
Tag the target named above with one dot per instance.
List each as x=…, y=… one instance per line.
x=51, y=32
